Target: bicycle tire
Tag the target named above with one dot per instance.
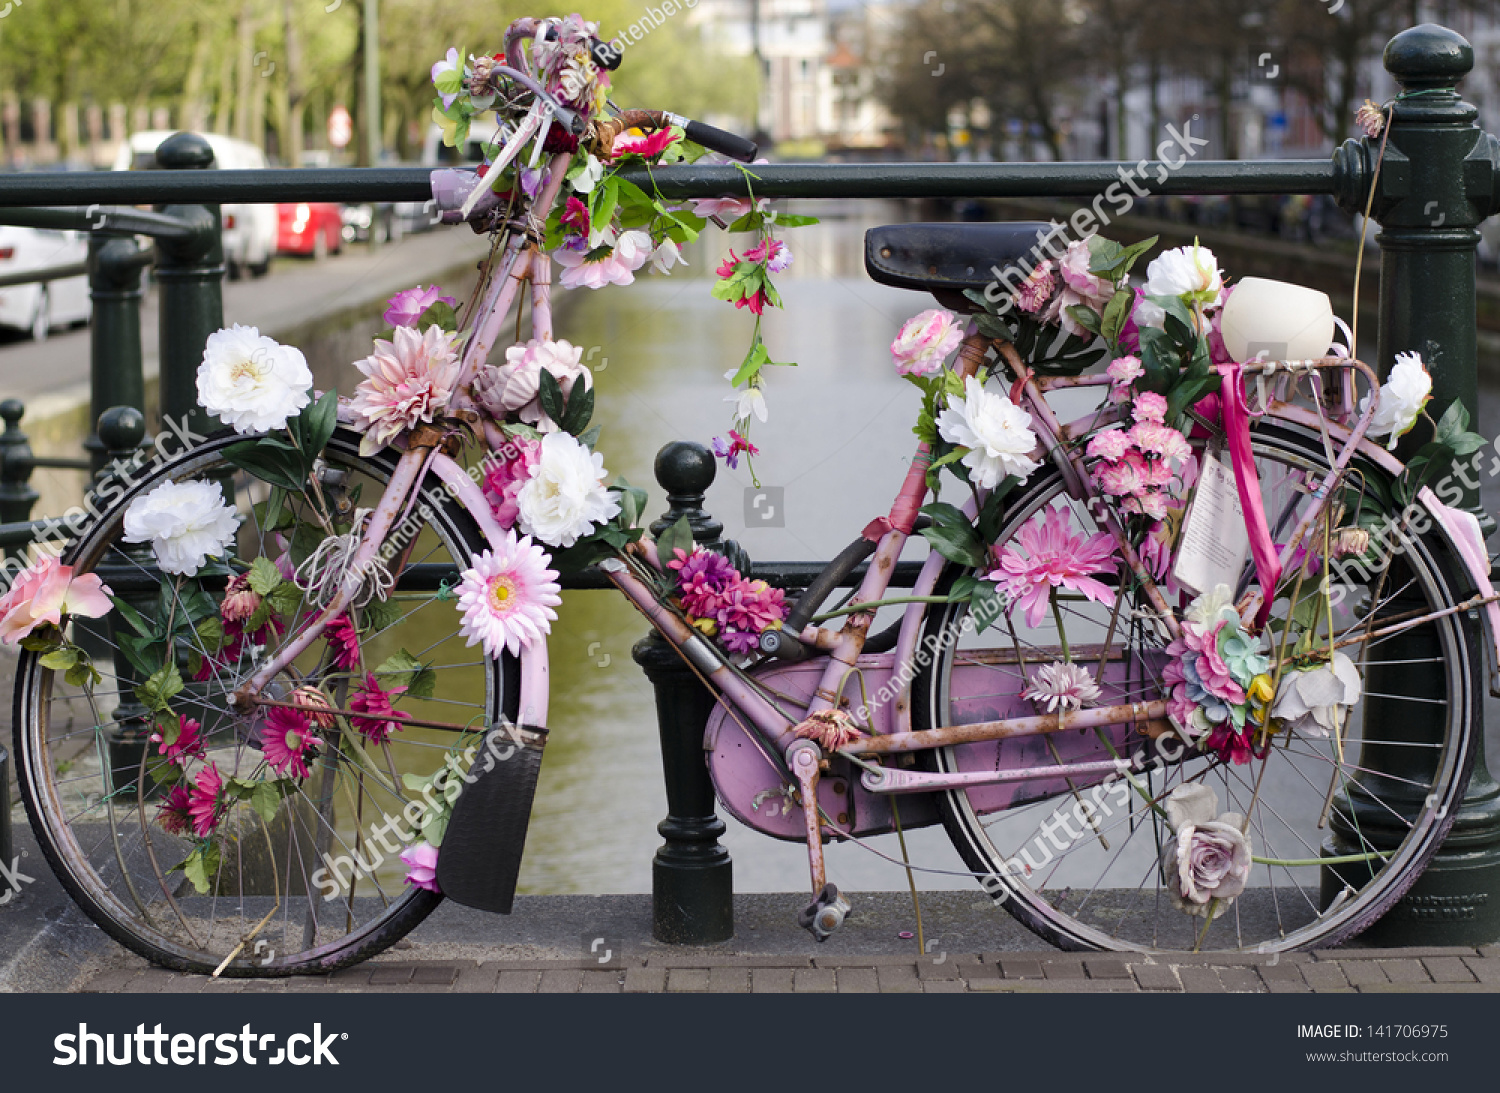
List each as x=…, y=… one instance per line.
x=458, y=535
x=1041, y=909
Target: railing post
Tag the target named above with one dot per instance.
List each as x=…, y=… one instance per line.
x=16, y=493
x=115, y=373
x=692, y=878
x=191, y=274
x=1440, y=179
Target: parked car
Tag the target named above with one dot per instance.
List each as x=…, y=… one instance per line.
x=378, y=221
x=249, y=230
x=42, y=308
x=310, y=227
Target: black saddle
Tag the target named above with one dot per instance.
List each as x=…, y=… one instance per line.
x=946, y=259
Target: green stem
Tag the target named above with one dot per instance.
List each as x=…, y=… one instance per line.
x=1062, y=635
x=1346, y=859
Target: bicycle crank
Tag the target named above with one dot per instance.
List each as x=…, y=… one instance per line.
x=827, y=911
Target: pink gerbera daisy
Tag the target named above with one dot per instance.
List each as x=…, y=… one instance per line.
x=1054, y=559
x=173, y=813
x=508, y=596
x=204, y=806
x=380, y=718
x=188, y=745
x=288, y=742
x=343, y=643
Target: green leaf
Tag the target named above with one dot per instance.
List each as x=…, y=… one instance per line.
x=678, y=536
x=403, y=669
x=580, y=409
x=268, y=461
x=1116, y=314
x=602, y=203
x=211, y=633
x=988, y=524
x=60, y=660
x=266, y=800
x=134, y=618
x=142, y=652
x=82, y=673
x=201, y=867
x=957, y=545
x=750, y=367
x=320, y=419
x=788, y=220
x=632, y=502
x=439, y=314
x=158, y=691
x=590, y=436
x=306, y=539
x=378, y=615
x=553, y=403
x=263, y=576
x=1130, y=254
x=1104, y=254
x=449, y=81
x=43, y=640
x=285, y=599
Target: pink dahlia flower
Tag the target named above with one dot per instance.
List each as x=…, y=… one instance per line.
x=704, y=578
x=422, y=862
x=288, y=742
x=204, y=807
x=507, y=597
x=46, y=591
x=406, y=308
x=407, y=381
x=1054, y=559
x=504, y=479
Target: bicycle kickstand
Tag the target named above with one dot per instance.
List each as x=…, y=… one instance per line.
x=828, y=910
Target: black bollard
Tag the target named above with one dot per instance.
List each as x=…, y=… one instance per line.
x=16, y=464
x=692, y=878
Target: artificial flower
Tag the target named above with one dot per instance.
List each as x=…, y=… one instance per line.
x=997, y=433
x=1315, y=701
x=204, y=807
x=506, y=597
x=315, y=705
x=565, y=498
x=926, y=341
x=188, y=744
x=704, y=579
x=422, y=861
x=1110, y=445
x=775, y=254
x=186, y=523
x=505, y=477
x=605, y=264
x=1189, y=273
x=374, y=716
x=240, y=600
x=1149, y=406
x=1062, y=685
x=752, y=400
x=406, y=307
x=666, y=255
x=1126, y=478
x=1124, y=371
x=343, y=643
x=44, y=593
x=633, y=142
x=408, y=380
x=174, y=813
x=1154, y=438
x=288, y=743
x=584, y=177
x=1401, y=399
x=448, y=73
x=1053, y=559
x=1370, y=118
x=1037, y=289
x=250, y=382
x=1210, y=858
x=1081, y=288
x=730, y=452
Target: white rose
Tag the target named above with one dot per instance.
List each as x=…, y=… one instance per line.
x=1405, y=392
x=185, y=523
x=1189, y=272
x=997, y=433
x=1315, y=702
x=565, y=362
x=565, y=497
x=250, y=382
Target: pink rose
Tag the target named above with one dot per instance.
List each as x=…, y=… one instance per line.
x=1209, y=861
x=422, y=858
x=926, y=341
x=406, y=308
x=503, y=481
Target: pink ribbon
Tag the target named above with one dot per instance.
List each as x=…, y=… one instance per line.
x=1237, y=431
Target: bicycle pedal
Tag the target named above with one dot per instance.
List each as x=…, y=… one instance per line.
x=824, y=915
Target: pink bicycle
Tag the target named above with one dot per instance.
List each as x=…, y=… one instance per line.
x=1189, y=671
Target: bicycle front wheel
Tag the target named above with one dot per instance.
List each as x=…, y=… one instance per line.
x=227, y=844
x=1339, y=829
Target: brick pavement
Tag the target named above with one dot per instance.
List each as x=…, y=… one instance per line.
x=1444, y=970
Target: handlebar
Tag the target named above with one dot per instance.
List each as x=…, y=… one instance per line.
x=715, y=140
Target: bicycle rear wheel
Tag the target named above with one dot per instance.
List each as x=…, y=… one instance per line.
x=306, y=876
x=1081, y=863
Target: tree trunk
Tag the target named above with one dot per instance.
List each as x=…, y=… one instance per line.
x=296, y=92
x=246, y=68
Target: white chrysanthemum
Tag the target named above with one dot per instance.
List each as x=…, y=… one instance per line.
x=1064, y=685
x=1189, y=272
x=250, y=382
x=997, y=433
x=1213, y=607
x=1402, y=396
x=185, y=523
x=565, y=497
x=508, y=596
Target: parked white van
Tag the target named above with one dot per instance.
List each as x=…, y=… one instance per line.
x=249, y=230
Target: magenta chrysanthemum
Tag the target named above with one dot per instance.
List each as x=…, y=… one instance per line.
x=188, y=745
x=203, y=803
x=288, y=742
x=343, y=643
x=173, y=814
x=1054, y=559
x=704, y=577
x=375, y=717
x=507, y=597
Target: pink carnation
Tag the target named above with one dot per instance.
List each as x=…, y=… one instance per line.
x=1149, y=406
x=1125, y=478
x=925, y=342
x=1124, y=371
x=1155, y=438
x=1111, y=444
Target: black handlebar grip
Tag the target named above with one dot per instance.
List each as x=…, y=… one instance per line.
x=606, y=54
x=716, y=140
